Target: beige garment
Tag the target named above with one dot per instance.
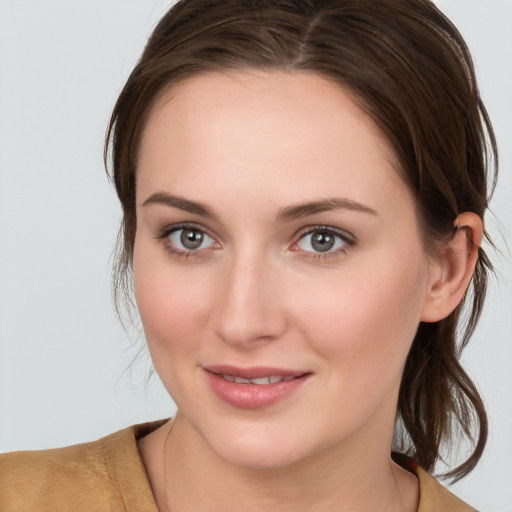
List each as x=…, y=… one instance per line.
x=108, y=476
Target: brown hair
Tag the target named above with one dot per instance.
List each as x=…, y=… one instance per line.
x=411, y=71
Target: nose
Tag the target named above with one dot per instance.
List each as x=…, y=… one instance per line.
x=249, y=311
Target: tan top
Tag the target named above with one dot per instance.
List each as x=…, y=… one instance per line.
x=108, y=476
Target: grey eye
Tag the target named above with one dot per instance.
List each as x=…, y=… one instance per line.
x=190, y=239
x=320, y=240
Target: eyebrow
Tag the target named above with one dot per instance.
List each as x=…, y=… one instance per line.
x=284, y=215
x=305, y=209
x=181, y=203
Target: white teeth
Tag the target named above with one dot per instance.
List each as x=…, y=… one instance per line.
x=261, y=381
x=240, y=380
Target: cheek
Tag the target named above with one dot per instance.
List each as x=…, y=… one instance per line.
x=173, y=304
x=366, y=320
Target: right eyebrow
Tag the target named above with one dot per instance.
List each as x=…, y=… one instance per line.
x=174, y=201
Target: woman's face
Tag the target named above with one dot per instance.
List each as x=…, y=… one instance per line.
x=276, y=243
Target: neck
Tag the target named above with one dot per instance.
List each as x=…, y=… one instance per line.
x=362, y=477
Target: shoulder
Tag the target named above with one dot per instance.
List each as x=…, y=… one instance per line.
x=83, y=477
x=75, y=477
x=435, y=497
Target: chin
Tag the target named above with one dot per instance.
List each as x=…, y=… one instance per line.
x=257, y=448
x=259, y=455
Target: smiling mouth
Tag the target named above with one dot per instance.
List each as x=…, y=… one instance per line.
x=261, y=381
x=255, y=387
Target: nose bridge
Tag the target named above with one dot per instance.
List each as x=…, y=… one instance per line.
x=249, y=307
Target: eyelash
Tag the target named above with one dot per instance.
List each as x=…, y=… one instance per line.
x=347, y=239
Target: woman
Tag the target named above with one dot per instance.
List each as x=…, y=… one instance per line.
x=303, y=186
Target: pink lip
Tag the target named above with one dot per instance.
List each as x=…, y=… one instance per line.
x=252, y=396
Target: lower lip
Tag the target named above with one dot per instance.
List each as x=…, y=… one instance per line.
x=253, y=396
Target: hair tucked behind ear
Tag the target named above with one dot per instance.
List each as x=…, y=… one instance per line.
x=410, y=70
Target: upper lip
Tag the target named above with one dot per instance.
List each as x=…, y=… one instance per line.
x=254, y=372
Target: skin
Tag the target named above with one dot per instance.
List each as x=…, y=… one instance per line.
x=248, y=146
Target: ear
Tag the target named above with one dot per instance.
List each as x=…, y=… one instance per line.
x=452, y=271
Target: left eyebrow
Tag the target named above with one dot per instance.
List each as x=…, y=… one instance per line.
x=305, y=209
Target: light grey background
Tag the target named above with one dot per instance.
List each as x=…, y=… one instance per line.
x=63, y=354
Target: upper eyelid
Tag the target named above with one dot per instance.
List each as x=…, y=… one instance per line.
x=342, y=233
x=170, y=228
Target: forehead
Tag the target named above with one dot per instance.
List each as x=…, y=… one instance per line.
x=258, y=101
x=292, y=134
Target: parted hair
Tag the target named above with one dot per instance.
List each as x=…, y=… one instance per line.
x=409, y=68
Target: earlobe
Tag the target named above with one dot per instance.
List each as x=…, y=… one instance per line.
x=452, y=272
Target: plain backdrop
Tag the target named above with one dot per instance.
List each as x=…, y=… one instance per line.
x=63, y=354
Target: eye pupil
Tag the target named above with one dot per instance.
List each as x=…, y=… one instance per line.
x=322, y=241
x=191, y=239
